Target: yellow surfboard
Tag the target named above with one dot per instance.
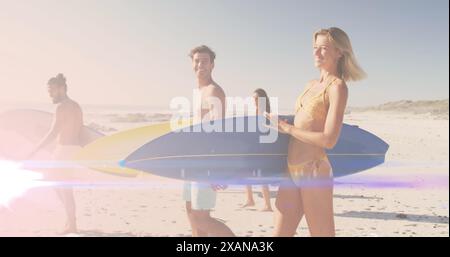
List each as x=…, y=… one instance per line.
x=106, y=153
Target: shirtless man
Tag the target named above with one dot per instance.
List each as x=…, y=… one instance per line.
x=66, y=130
x=200, y=198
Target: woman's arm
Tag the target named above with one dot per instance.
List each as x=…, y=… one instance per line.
x=338, y=95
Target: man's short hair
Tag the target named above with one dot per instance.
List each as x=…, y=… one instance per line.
x=203, y=49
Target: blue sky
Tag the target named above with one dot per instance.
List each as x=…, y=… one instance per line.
x=135, y=52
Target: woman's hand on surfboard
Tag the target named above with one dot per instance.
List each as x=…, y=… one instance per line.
x=283, y=125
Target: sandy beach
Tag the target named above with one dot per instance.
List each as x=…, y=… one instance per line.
x=407, y=196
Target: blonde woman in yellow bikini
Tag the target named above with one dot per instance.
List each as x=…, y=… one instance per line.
x=319, y=113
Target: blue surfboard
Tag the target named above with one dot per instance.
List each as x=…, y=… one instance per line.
x=238, y=157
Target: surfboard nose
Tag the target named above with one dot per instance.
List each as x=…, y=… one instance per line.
x=122, y=163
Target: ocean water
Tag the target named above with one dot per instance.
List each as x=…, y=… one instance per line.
x=110, y=109
x=113, y=118
x=91, y=109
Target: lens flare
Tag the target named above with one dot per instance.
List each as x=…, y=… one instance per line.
x=16, y=181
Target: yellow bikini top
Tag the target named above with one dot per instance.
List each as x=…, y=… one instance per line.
x=317, y=106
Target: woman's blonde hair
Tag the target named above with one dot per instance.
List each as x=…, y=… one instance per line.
x=348, y=67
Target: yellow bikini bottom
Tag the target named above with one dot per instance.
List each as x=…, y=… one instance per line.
x=313, y=170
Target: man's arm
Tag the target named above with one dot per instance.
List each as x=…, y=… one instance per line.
x=217, y=109
x=216, y=103
x=53, y=132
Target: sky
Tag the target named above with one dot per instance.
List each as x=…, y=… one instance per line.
x=135, y=52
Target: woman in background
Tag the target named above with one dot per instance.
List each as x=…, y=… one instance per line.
x=260, y=96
